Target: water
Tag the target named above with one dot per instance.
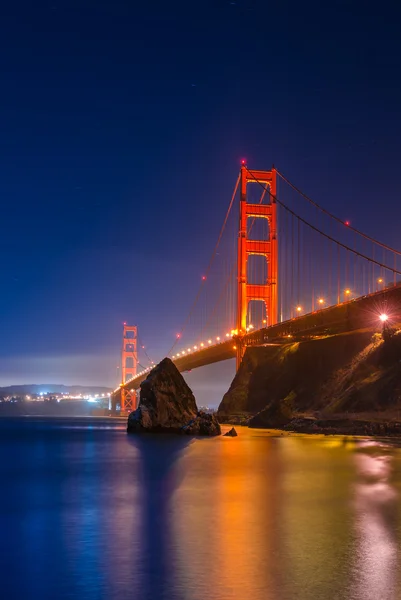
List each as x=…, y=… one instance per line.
x=88, y=512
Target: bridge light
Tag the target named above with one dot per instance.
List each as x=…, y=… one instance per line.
x=227, y=335
x=347, y=292
x=321, y=301
x=383, y=317
x=218, y=339
x=202, y=344
x=189, y=350
x=234, y=347
x=183, y=352
x=195, y=347
x=243, y=161
x=347, y=223
x=380, y=280
x=203, y=277
x=264, y=321
x=251, y=326
x=299, y=309
x=209, y=341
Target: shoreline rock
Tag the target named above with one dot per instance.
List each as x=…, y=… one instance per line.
x=231, y=433
x=167, y=405
x=202, y=424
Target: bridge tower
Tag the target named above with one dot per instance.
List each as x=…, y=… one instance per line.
x=267, y=291
x=129, y=366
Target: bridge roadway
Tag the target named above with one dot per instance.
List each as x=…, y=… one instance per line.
x=362, y=312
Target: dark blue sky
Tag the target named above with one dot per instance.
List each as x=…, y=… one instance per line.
x=122, y=125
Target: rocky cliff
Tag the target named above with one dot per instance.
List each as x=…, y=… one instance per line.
x=354, y=373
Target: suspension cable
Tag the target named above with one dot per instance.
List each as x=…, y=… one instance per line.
x=332, y=216
x=371, y=260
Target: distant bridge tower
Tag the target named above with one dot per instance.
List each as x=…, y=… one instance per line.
x=129, y=366
x=266, y=291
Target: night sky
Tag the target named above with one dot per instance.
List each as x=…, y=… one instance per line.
x=122, y=128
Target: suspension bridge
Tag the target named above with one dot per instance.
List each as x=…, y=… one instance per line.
x=282, y=266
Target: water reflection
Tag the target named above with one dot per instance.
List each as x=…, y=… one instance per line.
x=375, y=502
x=92, y=513
x=160, y=478
x=226, y=520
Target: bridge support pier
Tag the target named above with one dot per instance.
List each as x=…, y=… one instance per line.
x=265, y=291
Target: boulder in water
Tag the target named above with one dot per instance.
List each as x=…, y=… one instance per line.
x=202, y=424
x=231, y=433
x=166, y=402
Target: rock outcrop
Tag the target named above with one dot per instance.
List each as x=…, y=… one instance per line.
x=167, y=404
x=231, y=433
x=202, y=424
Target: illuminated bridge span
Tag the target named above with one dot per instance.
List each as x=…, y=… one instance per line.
x=282, y=266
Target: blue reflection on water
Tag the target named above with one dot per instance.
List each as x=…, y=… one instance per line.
x=88, y=512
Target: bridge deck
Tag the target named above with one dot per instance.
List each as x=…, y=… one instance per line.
x=356, y=314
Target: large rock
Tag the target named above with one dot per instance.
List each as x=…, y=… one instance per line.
x=168, y=404
x=202, y=424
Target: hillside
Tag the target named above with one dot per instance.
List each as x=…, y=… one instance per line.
x=354, y=375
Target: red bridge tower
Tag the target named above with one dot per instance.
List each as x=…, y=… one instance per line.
x=267, y=291
x=129, y=366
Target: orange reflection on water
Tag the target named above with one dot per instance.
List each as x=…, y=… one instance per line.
x=375, y=561
x=225, y=517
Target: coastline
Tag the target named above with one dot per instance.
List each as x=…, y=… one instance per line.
x=341, y=425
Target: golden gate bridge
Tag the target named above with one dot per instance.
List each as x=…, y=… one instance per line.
x=282, y=265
